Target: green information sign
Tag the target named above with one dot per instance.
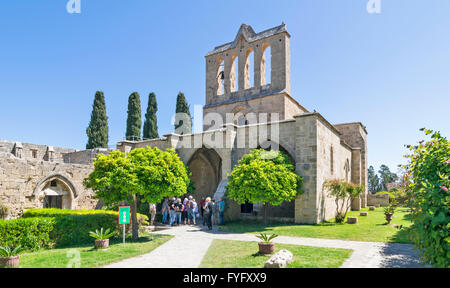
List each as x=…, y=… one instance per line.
x=124, y=215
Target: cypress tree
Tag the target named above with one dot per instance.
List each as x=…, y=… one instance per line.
x=134, y=121
x=97, y=130
x=183, y=121
x=150, y=124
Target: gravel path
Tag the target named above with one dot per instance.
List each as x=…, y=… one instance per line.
x=190, y=244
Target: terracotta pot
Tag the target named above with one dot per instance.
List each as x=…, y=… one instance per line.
x=388, y=217
x=266, y=248
x=9, y=261
x=102, y=243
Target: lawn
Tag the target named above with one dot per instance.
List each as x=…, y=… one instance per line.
x=371, y=228
x=91, y=257
x=240, y=254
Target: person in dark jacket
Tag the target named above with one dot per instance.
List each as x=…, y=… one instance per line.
x=207, y=212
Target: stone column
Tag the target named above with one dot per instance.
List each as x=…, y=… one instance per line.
x=241, y=71
x=257, y=66
x=227, y=71
x=356, y=177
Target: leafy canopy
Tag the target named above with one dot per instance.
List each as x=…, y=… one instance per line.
x=149, y=172
x=264, y=177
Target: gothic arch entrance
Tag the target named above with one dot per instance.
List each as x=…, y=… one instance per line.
x=55, y=191
x=287, y=209
x=206, y=169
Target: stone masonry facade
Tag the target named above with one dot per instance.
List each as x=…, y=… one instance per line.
x=319, y=149
x=30, y=172
x=243, y=110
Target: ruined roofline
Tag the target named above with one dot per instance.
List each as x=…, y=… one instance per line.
x=35, y=145
x=250, y=35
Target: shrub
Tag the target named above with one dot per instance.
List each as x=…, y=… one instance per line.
x=72, y=227
x=429, y=176
x=30, y=233
x=10, y=251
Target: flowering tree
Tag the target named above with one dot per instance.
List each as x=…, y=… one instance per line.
x=429, y=182
x=150, y=173
x=343, y=193
x=264, y=177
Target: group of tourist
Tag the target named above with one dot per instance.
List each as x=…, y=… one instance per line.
x=176, y=211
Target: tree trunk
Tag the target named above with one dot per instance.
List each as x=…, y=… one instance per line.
x=134, y=221
x=265, y=214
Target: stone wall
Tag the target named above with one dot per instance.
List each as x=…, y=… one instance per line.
x=34, y=151
x=378, y=200
x=281, y=104
x=86, y=156
x=320, y=156
x=355, y=135
x=333, y=162
x=22, y=182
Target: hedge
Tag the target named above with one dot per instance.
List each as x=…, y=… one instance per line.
x=47, y=227
x=31, y=233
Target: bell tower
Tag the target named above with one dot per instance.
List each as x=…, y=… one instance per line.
x=236, y=78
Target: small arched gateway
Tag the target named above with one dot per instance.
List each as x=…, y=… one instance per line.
x=206, y=169
x=55, y=191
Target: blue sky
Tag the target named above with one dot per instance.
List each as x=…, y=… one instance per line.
x=390, y=71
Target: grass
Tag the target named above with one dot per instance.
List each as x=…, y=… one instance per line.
x=91, y=257
x=372, y=228
x=240, y=254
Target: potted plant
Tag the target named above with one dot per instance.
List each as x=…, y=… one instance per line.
x=389, y=211
x=102, y=237
x=10, y=257
x=266, y=246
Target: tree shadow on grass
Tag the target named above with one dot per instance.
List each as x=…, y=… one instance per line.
x=258, y=254
x=396, y=255
x=240, y=226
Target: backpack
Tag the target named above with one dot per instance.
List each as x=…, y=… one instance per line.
x=208, y=208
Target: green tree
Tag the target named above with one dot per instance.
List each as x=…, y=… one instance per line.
x=134, y=121
x=97, y=130
x=266, y=177
x=146, y=172
x=150, y=124
x=386, y=177
x=373, y=181
x=429, y=182
x=183, y=120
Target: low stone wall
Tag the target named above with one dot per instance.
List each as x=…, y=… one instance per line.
x=378, y=200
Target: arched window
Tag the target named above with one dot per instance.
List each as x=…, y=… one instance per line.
x=249, y=73
x=234, y=83
x=347, y=170
x=220, y=77
x=266, y=65
x=331, y=160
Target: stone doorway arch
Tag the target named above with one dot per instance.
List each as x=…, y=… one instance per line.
x=55, y=191
x=206, y=169
x=287, y=209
